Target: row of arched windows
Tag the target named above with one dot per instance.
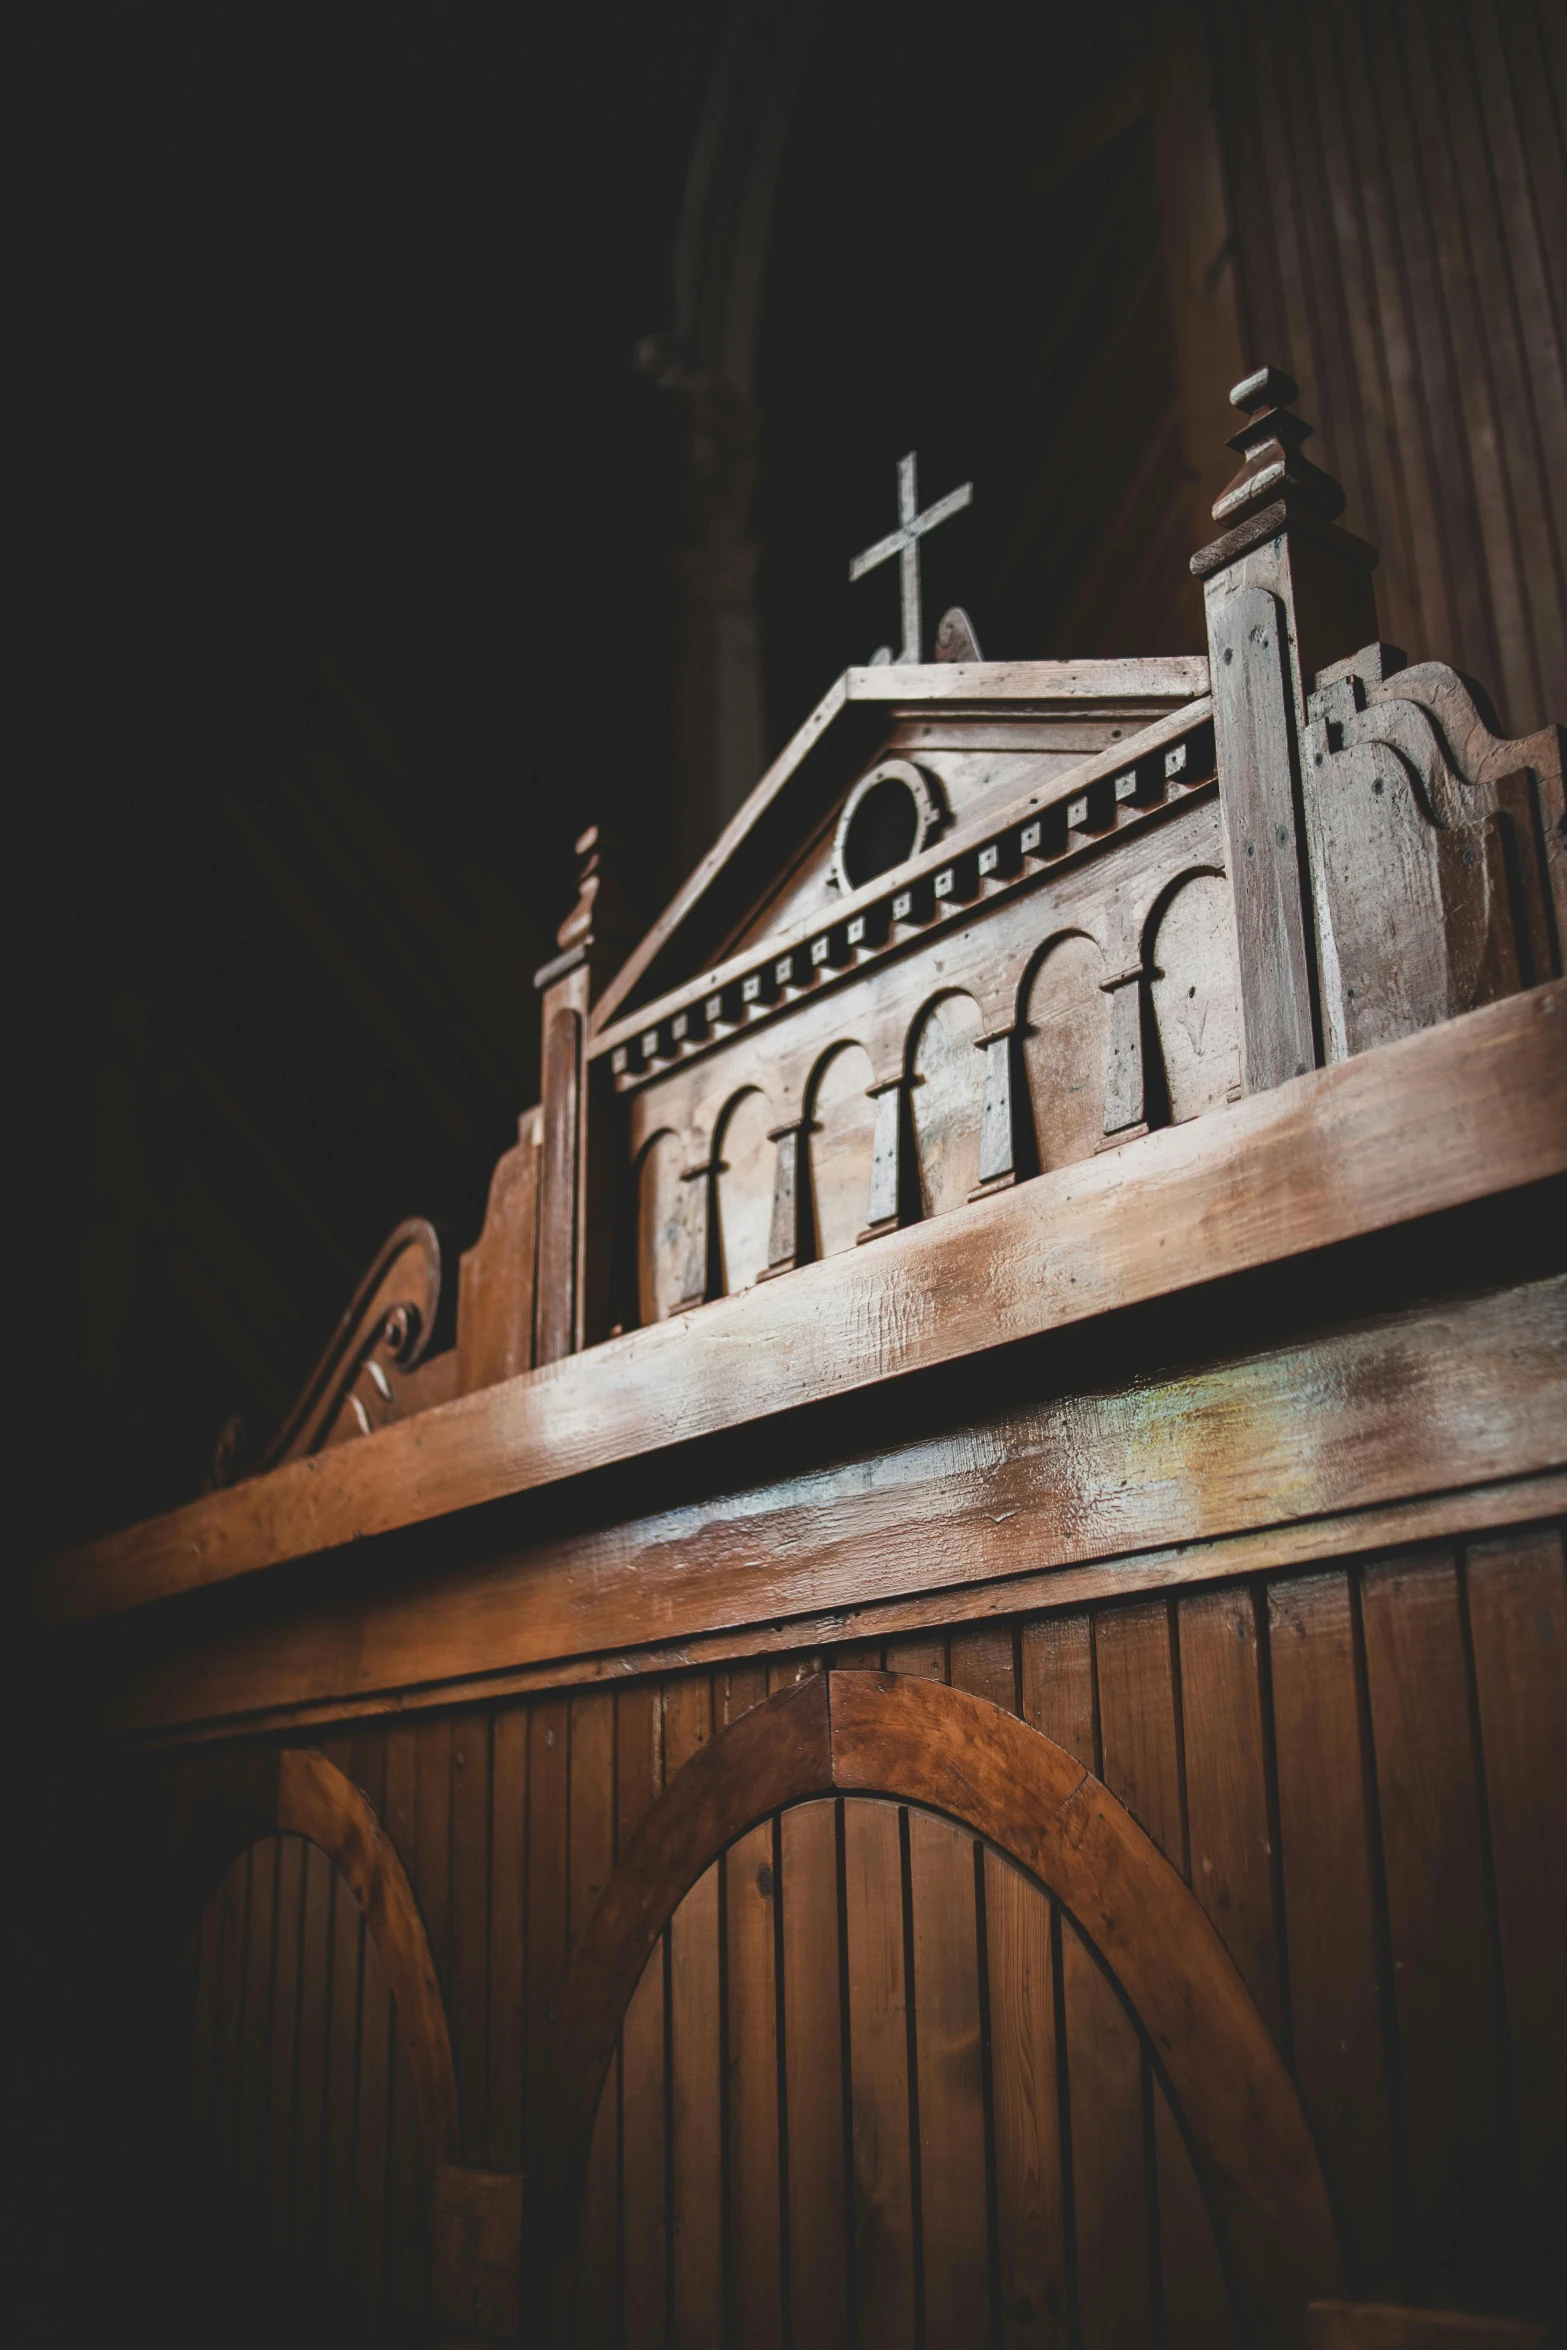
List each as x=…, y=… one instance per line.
x=1064, y=1041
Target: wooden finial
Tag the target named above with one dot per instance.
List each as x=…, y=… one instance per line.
x=598, y=920
x=1269, y=444
x=1276, y=486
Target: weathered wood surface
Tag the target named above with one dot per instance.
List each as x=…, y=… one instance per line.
x=1311, y=1163
x=1428, y=1402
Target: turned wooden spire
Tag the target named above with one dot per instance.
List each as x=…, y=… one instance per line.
x=1276, y=487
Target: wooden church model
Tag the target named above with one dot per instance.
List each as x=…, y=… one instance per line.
x=945, y=1722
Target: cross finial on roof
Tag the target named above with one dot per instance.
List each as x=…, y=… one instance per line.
x=904, y=543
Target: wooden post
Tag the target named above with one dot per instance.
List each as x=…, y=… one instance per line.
x=566, y=985
x=1286, y=592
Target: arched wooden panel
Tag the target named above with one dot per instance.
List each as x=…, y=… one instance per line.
x=843, y=1127
x=746, y=1168
x=1066, y=1037
x=948, y=1100
x=661, y=1229
x=298, y=2043
x=1196, y=996
x=1151, y=2003
x=323, y=2079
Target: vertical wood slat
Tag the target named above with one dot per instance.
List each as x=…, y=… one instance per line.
x=755, y=2246
x=406, y=2265
x=980, y=1660
x=1330, y=1902
x=204, y=2074
x=946, y=1992
x=641, y=2084
x=281, y=2069
x=508, y=1994
x=1232, y=1861
x=433, y=1844
x=375, y=2049
x=338, y=2183
x=470, y=1929
x=251, y=2166
x=1437, y=1901
x=1058, y=1697
x=235, y=1900
x=695, y=2148
x=367, y=1768
x=1193, y=2293
x=1108, y=2155
x=1141, y=1701
x=549, y=1766
x=1030, y=2190
x=1137, y=1720
x=315, y=1991
x=814, y=2085
x=883, y=2187
x=1400, y=208
x=1517, y=1594
x=592, y=1801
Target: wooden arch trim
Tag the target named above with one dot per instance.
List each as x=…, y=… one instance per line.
x=297, y=1792
x=920, y=1742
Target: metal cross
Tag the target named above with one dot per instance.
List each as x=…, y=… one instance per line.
x=904, y=543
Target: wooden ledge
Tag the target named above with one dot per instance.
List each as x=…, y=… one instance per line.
x=1455, y=1114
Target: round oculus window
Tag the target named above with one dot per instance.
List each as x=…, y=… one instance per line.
x=890, y=815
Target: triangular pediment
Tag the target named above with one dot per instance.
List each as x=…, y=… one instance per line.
x=980, y=732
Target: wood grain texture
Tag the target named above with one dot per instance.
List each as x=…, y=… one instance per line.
x=549, y=1795
x=1298, y=1168
x=1194, y=2296
x=1231, y=1834
x=1517, y=1606
x=470, y=1964
x=814, y=2081
x=881, y=2135
x=1138, y=1726
x=1337, y=1977
x=755, y=2247
x=1115, y=2247
x=1398, y=214
x=695, y=2144
x=1066, y=1041
x=984, y=1767
x=774, y=1755
x=1429, y=1402
x=1444, y=1988
x=954, y=2249
x=1031, y=2267
x=508, y=1946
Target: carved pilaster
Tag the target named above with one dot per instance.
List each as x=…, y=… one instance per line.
x=1126, y=1103
x=589, y=940
x=999, y=1138
x=697, y=1283
x=892, y=1158
x=1286, y=592
x=785, y=1237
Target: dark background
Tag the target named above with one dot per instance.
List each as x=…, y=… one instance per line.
x=349, y=596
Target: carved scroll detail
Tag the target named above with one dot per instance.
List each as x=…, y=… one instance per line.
x=361, y=1380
